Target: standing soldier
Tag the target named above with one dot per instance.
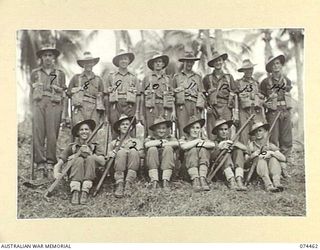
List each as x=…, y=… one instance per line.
x=127, y=159
x=47, y=92
x=122, y=90
x=250, y=99
x=85, y=91
x=157, y=92
x=160, y=152
x=276, y=88
x=188, y=88
x=196, y=153
x=220, y=88
x=233, y=166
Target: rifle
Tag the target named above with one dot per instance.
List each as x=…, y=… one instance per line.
x=223, y=155
x=69, y=165
x=111, y=160
x=253, y=166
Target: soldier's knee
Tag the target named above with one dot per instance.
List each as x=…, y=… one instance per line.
x=152, y=150
x=121, y=153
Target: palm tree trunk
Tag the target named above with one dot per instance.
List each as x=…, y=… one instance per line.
x=299, y=69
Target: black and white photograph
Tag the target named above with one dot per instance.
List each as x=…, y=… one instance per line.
x=154, y=123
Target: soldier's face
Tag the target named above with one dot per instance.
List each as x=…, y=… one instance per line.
x=84, y=131
x=260, y=133
x=276, y=66
x=218, y=63
x=124, y=126
x=195, y=130
x=189, y=65
x=88, y=66
x=223, y=131
x=158, y=64
x=47, y=58
x=124, y=62
x=248, y=72
x=161, y=130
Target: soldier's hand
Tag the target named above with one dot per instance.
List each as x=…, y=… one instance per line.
x=179, y=89
x=75, y=90
x=56, y=172
x=236, y=123
x=173, y=116
x=111, y=154
x=56, y=88
x=268, y=105
x=85, y=151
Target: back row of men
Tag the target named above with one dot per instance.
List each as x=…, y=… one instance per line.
x=175, y=98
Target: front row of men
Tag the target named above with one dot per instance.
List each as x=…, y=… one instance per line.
x=161, y=151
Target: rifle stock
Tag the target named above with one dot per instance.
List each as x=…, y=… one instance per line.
x=254, y=164
x=69, y=165
x=224, y=153
x=110, y=161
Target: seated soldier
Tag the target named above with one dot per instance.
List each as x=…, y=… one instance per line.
x=196, y=153
x=267, y=157
x=127, y=158
x=233, y=166
x=160, y=152
x=82, y=172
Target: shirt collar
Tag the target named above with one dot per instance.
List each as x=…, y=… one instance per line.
x=91, y=75
x=127, y=73
x=192, y=73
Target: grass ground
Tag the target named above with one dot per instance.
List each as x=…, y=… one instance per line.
x=143, y=201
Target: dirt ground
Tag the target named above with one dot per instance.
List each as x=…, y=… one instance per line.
x=181, y=200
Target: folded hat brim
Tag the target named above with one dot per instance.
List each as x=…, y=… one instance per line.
x=187, y=128
x=40, y=52
x=165, y=59
x=115, y=60
x=75, y=129
x=224, y=57
x=266, y=126
x=82, y=62
x=215, y=129
x=168, y=124
x=269, y=63
x=116, y=125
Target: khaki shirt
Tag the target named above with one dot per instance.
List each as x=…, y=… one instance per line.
x=191, y=84
x=224, y=84
x=74, y=147
x=268, y=85
x=254, y=146
x=156, y=84
x=91, y=85
x=55, y=77
x=168, y=138
x=128, y=143
x=122, y=83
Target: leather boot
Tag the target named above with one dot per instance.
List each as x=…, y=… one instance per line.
x=278, y=185
x=232, y=184
x=75, y=197
x=84, y=197
x=204, y=184
x=50, y=171
x=272, y=189
x=119, y=190
x=166, y=185
x=155, y=185
x=240, y=187
x=40, y=174
x=196, y=184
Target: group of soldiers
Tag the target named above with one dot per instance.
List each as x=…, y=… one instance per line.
x=207, y=113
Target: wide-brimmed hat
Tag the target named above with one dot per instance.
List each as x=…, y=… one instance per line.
x=246, y=64
x=271, y=59
x=220, y=122
x=160, y=120
x=89, y=122
x=115, y=60
x=193, y=120
x=189, y=56
x=46, y=48
x=164, y=58
x=123, y=117
x=215, y=56
x=258, y=125
x=88, y=58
